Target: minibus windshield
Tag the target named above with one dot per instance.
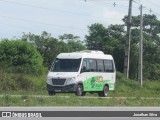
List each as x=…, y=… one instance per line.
x=66, y=65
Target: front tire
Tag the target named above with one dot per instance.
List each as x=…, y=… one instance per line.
x=104, y=92
x=79, y=91
x=51, y=93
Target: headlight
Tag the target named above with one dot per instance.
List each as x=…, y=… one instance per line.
x=70, y=80
x=49, y=80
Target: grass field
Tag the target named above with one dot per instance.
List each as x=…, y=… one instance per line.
x=75, y=101
x=124, y=88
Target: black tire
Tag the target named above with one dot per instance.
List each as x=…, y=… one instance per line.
x=104, y=92
x=51, y=93
x=100, y=94
x=79, y=91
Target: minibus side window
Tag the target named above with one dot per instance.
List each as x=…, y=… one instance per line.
x=100, y=66
x=89, y=65
x=108, y=64
x=92, y=65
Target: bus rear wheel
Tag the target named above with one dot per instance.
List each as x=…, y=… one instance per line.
x=104, y=92
x=79, y=91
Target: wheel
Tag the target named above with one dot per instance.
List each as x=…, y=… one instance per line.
x=79, y=91
x=51, y=93
x=100, y=94
x=104, y=92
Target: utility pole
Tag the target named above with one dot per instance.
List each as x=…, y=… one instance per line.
x=140, y=67
x=128, y=40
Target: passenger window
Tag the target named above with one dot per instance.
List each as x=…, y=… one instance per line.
x=108, y=66
x=100, y=66
x=92, y=65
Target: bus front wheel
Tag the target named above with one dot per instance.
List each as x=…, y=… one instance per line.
x=51, y=93
x=79, y=91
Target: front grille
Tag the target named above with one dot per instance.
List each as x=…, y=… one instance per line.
x=58, y=81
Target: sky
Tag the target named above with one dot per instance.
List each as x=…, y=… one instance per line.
x=60, y=17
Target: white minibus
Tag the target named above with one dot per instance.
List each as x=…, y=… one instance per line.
x=81, y=72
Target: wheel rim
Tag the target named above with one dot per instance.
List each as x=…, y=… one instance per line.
x=105, y=90
x=79, y=90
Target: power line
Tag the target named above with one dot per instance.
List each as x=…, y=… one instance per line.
x=28, y=5
x=14, y=26
x=114, y=4
x=37, y=22
x=148, y=9
x=107, y=3
x=153, y=4
x=42, y=23
x=54, y=10
x=102, y=2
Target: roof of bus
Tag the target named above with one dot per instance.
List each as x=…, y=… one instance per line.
x=76, y=55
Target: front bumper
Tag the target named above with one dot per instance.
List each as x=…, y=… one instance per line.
x=67, y=88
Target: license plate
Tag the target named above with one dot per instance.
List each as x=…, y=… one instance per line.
x=58, y=90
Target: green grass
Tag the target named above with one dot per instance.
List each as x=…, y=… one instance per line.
x=131, y=88
x=75, y=101
x=124, y=88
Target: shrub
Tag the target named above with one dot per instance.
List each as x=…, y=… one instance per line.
x=7, y=82
x=11, y=82
x=21, y=56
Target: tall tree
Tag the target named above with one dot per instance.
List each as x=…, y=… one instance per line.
x=68, y=37
x=50, y=47
x=73, y=42
x=151, y=32
x=109, y=40
x=97, y=35
x=46, y=45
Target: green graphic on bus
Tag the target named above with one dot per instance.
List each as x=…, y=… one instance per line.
x=94, y=83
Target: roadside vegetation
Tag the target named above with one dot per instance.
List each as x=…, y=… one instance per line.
x=127, y=93
x=75, y=101
x=25, y=61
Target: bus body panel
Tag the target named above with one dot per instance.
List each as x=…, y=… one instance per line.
x=64, y=81
x=95, y=81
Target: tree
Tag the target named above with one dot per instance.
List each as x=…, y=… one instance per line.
x=151, y=32
x=117, y=42
x=68, y=37
x=98, y=34
x=73, y=42
x=75, y=46
x=46, y=45
x=49, y=47
x=109, y=40
x=19, y=54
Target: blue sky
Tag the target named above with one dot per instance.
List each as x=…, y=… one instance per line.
x=64, y=16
